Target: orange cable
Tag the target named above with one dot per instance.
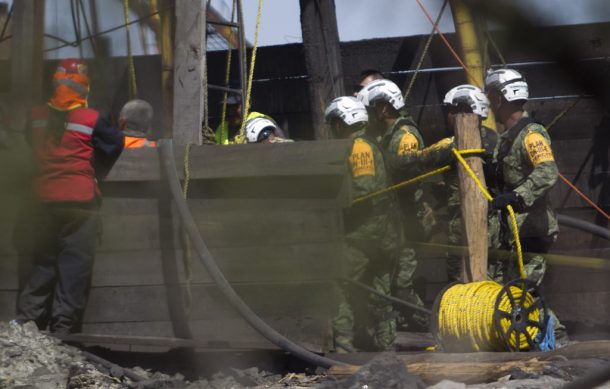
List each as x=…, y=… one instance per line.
x=584, y=197
x=455, y=55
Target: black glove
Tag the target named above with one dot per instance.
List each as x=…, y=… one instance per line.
x=508, y=198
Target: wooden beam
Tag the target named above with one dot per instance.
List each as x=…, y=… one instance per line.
x=26, y=60
x=466, y=372
x=473, y=202
x=189, y=70
x=322, y=58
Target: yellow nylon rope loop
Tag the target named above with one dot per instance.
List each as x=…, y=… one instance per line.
x=511, y=212
x=223, y=114
x=415, y=179
x=240, y=138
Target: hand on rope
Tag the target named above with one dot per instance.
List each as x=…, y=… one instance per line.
x=241, y=137
x=511, y=212
x=415, y=179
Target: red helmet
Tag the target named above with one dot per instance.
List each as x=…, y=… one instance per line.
x=72, y=65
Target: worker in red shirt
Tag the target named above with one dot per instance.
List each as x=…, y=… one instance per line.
x=135, y=122
x=73, y=147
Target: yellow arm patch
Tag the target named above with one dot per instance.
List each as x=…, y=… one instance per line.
x=362, y=159
x=408, y=143
x=538, y=149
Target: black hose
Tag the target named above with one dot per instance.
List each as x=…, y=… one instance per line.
x=594, y=229
x=388, y=297
x=166, y=155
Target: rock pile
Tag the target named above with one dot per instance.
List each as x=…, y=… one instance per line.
x=30, y=359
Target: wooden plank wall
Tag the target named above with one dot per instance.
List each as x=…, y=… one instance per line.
x=280, y=89
x=274, y=227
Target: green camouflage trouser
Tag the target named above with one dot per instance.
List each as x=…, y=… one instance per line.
x=454, y=235
x=364, y=319
x=534, y=264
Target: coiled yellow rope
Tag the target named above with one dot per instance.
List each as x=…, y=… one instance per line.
x=466, y=318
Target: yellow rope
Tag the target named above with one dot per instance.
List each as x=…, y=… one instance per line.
x=401, y=184
x=415, y=179
x=466, y=318
x=511, y=212
x=223, y=115
x=186, y=242
x=240, y=138
x=131, y=69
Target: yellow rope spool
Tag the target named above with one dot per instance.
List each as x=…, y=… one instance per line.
x=486, y=316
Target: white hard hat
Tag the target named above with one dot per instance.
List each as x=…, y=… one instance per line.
x=381, y=90
x=470, y=95
x=509, y=82
x=348, y=109
x=255, y=126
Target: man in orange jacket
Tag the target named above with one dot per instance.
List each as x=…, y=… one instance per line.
x=135, y=122
x=73, y=147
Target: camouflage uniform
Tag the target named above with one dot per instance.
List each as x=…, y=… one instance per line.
x=529, y=169
x=374, y=246
x=406, y=158
x=454, y=213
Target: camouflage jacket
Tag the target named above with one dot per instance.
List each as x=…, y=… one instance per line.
x=489, y=139
x=406, y=153
x=368, y=175
x=530, y=170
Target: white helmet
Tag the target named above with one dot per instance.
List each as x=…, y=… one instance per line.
x=470, y=95
x=382, y=90
x=509, y=82
x=348, y=109
x=255, y=126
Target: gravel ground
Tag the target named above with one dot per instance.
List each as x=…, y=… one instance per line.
x=32, y=360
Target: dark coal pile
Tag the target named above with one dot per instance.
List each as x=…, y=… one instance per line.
x=30, y=359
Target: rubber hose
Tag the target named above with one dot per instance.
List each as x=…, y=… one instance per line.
x=166, y=155
x=582, y=225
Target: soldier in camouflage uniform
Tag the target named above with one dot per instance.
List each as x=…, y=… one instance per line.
x=406, y=157
x=468, y=99
x=374, y=243
x=525, y=173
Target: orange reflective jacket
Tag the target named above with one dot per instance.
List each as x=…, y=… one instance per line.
x=132, y=142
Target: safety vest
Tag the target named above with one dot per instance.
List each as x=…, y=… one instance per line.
x=222, y=132
x=132, y=142
x=65, y=166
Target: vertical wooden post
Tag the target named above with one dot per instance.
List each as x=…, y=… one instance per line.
x=322, y=58
x=473, y=202
x=166, y=39
x=189, y=70
x=471, y=51
x=26, y=60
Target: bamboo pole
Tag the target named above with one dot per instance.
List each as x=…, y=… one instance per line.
x=471, y=51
